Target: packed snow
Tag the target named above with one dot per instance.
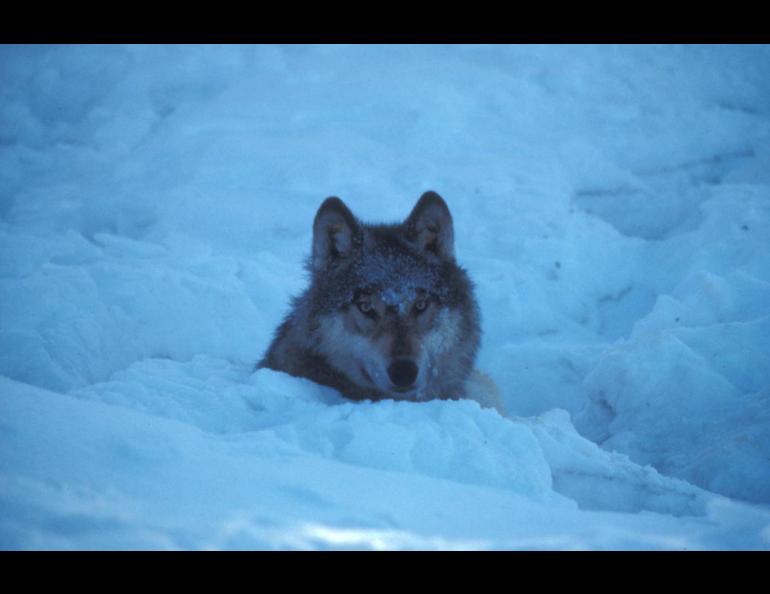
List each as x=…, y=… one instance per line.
x=611, y=204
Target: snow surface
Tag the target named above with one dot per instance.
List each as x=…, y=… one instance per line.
x=612, y=205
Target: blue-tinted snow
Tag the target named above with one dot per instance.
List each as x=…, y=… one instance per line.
x=612, y=205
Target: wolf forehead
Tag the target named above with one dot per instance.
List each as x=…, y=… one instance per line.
x=389, y=266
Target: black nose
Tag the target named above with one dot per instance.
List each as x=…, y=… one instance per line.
x=403, y=372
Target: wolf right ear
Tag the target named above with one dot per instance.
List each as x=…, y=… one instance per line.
x=336, y=232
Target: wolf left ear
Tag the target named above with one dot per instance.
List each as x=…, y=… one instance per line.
x=430, y=226
x=336, y=233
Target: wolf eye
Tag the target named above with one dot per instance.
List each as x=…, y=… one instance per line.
x=362, y=300
x=420, y=305
x=366, y=308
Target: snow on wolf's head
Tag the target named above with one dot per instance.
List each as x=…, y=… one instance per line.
x=389, y=313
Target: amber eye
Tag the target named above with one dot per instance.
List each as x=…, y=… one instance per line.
x=420, y=305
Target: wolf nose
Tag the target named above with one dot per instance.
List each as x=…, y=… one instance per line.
x=403, y=372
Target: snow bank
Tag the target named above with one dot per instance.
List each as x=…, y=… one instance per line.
x=688, y=391
x=85, y=474
x=69, y=304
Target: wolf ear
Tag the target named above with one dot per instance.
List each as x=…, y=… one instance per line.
x=430, y=226
x=336, y=233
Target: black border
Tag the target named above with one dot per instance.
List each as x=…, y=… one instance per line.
x=477, y=571
x=75, y=36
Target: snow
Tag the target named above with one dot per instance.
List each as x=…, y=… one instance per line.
x=611, y=204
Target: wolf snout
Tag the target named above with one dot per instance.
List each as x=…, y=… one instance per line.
x=403, y=372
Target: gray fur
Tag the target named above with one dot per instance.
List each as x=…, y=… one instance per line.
x=420, y=307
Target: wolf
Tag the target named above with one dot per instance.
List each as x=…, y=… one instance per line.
x=388, y=313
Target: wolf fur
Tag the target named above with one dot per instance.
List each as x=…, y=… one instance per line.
x=388, y=312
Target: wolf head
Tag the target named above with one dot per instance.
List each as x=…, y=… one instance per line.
x=388, y=313
x=388, y=309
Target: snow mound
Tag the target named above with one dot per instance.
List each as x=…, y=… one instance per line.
x=106, y=476
x=687, y=391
